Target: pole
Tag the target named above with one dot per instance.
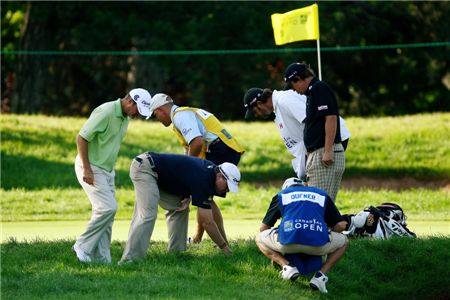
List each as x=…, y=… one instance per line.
x=318, y=59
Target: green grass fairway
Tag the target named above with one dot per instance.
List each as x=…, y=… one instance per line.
x=44, y=209
x=392, y=269
x=236, y=229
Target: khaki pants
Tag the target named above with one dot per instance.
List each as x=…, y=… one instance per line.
x=148, y=195
x=326, y=178
x=96, y=239
x=269, y=238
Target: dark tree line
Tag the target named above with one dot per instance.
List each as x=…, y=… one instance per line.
x=367, y=82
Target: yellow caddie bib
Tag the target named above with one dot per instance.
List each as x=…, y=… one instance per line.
x=213, y=125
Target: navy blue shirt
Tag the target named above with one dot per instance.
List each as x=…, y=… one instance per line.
x=186, y=175
x=321, y=103
x=332, y=215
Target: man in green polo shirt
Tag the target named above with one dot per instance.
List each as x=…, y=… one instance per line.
x=98, y=144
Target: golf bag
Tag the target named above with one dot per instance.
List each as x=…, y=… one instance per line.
x=381, y=222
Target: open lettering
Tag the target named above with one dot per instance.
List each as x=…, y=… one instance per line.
x=310, y=226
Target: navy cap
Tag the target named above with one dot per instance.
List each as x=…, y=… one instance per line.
x=250, y=98
x=293, y=70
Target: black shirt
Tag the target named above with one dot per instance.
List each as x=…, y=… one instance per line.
x=321, y=102
x=332, y=215
x=186, y=175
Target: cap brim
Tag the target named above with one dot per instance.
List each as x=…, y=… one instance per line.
x=145, y=114
x=232, y=186
x=248, y=114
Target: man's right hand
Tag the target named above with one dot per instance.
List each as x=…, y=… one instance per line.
x=88, y=176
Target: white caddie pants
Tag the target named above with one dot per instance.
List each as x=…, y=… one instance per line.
x=96, y=239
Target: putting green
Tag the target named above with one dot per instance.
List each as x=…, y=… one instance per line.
x=235, y=229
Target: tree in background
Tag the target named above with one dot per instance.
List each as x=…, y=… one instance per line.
x=370, y=82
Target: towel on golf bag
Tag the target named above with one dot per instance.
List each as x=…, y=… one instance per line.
x=305, y=263
x=381, y=222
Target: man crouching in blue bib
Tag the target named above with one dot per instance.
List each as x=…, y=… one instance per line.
x=310, y=228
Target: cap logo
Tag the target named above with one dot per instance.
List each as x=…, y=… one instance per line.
x=227, y=177
x=258, y=96
x=145, y=102
x=291, y=76
x=136, y=97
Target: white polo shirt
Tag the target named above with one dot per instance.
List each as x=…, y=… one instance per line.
x=290, y=111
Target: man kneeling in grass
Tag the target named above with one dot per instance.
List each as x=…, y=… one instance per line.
x=306, y=214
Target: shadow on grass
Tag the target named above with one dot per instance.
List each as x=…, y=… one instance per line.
x=31, y=173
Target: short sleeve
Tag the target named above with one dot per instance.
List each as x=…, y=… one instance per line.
x=324, y=98
x=186, y=123
x=332, y=214
x=273, y=212
x=203, y=201
x=97, y=123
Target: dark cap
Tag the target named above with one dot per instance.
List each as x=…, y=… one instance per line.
x=250, y=98
x=293, y=70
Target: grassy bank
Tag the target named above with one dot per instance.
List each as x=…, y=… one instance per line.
x=38, y=183
x=398, y=268
x=38, y=151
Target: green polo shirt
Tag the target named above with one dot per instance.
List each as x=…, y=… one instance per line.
x=105, y=130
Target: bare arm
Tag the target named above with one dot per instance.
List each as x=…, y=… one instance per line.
x=82, y=147
x=207, y=221
x=263, y=227
x=330, y=134
x=195, y=146
x=339, y=227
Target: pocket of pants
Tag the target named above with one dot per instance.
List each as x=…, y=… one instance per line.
x=135, y=168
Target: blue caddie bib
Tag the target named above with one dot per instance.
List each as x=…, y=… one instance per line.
x=303, y=222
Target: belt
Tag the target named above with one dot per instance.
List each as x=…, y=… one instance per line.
x=310, y=150
x=150, y=160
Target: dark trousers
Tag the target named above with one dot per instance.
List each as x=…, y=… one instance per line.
x=218, y=152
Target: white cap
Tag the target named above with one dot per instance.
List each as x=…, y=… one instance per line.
x=232, y=175
x=292, y=181
x=142, y=98
x=159, y=100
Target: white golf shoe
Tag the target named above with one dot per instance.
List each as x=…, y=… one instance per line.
x=318, y=282
x=81, y=255
x=289, y=273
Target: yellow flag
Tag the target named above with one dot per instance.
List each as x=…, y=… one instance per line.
x=296, y=25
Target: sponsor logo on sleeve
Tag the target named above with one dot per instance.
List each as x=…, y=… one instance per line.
x=186, y=131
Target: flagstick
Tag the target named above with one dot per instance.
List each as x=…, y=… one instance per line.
x=318, y=59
